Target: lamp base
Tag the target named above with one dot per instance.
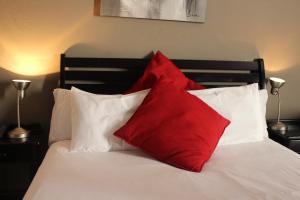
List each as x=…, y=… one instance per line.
x=18, y=133
x=279, y=127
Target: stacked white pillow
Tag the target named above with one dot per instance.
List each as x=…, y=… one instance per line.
x=60, y=128
x=263, y=97
x=242, y=106
x=90, y=120
x=96, y=117
x=61, y=121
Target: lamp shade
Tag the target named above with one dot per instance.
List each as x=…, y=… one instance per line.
x=276, y=82
x=21, y=84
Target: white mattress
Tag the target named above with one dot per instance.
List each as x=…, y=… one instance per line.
x=262, y=170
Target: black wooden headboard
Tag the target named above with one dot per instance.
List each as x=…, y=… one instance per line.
x=115, y=75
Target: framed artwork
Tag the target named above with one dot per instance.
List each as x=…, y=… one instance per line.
x=175, y=10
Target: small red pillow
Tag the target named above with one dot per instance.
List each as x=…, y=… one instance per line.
x=174, y=127
x=160, y=66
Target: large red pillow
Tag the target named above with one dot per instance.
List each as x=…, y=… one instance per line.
x=174, y=127
x=158, y=67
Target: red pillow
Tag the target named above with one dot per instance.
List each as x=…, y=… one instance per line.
x=174, y=127
x=160, y=66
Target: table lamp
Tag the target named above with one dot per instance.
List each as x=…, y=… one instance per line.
x=277, y=83
x=21, y=86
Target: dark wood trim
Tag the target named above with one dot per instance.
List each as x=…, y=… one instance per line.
x=62, y=70
x=97, y=6
x=215, y=64
x=183, y=64
x=261, y=72
x=115, y=76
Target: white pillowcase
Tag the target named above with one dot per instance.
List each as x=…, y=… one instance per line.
x=60, y=128
x=263, y=96
x=96, y=117
x=241, y=105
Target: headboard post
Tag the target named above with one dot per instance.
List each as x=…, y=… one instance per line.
x=62, y=70
x=261, y=72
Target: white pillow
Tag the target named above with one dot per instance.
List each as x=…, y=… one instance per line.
x=96, y=117
x=60, y=128
x=241, y=105
x=263, y=95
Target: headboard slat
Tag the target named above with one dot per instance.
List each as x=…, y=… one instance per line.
x=113, y=76
x=128, y=63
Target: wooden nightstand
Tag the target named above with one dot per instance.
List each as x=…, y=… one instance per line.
x=19, y=160
x=291, y=139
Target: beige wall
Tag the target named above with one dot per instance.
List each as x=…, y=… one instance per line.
x=34, y=32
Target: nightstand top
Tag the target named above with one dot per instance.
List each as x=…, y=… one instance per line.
x=33, y=139
x=34, y=136
x=293, y=132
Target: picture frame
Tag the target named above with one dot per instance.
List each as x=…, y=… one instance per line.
x=171, y=10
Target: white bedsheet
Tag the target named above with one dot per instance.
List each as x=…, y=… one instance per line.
x=261, y=170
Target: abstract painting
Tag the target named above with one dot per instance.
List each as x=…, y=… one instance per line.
x=178, y=10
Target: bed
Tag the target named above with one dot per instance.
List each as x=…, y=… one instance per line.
x=256, y=170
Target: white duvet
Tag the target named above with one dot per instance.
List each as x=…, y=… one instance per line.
x=261, y=170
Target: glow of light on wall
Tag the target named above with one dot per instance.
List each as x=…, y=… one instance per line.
x=279, y=53
x=39, y=56
x=275, y=65
x=32, y=65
